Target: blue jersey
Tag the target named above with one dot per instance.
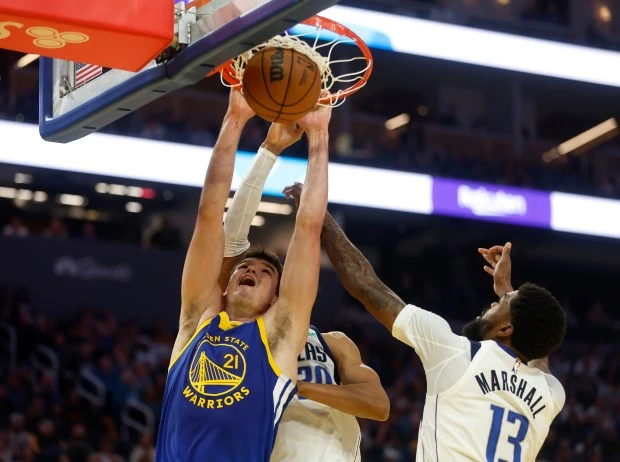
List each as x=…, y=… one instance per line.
x=224, y=396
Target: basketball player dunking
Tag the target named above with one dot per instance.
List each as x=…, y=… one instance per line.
x=490, y=394
x=334, y=385
x=233, y=371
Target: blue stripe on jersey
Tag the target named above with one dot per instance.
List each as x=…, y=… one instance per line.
x=223, y=399
x=474, y=347
x=506, y=349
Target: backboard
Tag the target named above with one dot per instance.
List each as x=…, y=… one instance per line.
x=77, y=99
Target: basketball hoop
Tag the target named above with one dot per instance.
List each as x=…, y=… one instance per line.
x=232, y=71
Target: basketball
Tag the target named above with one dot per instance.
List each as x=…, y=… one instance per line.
x=281, y=84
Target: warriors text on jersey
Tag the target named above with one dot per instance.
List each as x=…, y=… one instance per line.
x=482, y=403
x=224, y=396
x=310, y=431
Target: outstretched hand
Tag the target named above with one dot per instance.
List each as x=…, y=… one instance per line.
x=317, y=119
x=293, y=192
x=500, y=267
x=281, y=136
x=238, y=106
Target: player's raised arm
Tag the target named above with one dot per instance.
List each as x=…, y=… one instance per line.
x=354, y=270
x=288, y=320
x=360, y=392
x=199, y=290
x=500, y=267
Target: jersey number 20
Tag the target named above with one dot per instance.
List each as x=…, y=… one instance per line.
x=316, y=374
x=496, y=427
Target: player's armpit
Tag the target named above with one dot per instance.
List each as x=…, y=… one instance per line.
x=357, y=275
x=360, y=393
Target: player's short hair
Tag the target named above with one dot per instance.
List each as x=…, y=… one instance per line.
x=269, y=257
x=538, y=321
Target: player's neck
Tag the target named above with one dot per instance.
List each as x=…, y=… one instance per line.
x=507, y=344
x=240, y=312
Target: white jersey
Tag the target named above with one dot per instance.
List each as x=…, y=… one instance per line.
x=482, y=403
x=310, y=431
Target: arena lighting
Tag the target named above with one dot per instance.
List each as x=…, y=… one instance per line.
x=22, y=178
x=23, y=195
x=117, y=190
x=584, y=141
x=71, y=199
x=269, y=207
x=480, y=47
x=604, y=13
x=133, y=207
x=275, y=208
x=397, y=122
x=256, y=221
x=8, y=193
x=145, y=160
x=40, y=196
x=25, y=60
x=102, y=188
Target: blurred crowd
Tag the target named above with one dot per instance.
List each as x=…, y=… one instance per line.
x=163, y=236
x=101, y=401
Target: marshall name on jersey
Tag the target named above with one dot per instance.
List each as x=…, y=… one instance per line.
x=311, y=431
x=494, y=380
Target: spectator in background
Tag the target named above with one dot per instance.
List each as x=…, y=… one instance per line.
x=47, y=442
x=56, y=229
x=19, y=438
x=107, y=452
x=78, y=449
x=144, y=451
x=15, y=228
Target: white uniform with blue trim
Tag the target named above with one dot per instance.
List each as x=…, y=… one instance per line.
x=482, y=403
x=310, y=431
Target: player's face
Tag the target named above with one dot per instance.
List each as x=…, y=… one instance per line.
x=254, y=281
x=492, y=322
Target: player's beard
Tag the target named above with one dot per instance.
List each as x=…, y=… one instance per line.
x=477, y=329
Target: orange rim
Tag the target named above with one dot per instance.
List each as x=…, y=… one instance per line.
x=228, y=72
x=197, y=4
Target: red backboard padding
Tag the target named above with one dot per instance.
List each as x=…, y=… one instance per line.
x=120, y=34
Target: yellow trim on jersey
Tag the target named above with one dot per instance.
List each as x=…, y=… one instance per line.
x=226, y=323
x=263, y=336
x=198, y=329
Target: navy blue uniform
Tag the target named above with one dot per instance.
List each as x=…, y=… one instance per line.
x=224, y=396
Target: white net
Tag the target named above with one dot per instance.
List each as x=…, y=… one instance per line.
x=319, y=45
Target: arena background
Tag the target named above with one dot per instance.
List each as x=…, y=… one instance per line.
x=90, y=263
